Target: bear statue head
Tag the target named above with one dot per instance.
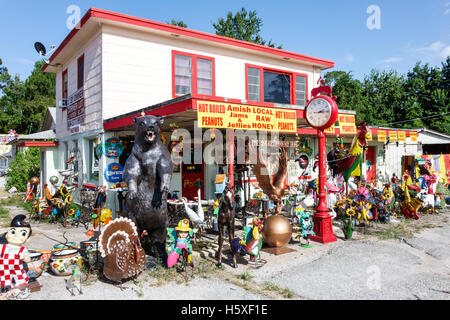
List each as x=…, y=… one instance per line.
x=148, y=128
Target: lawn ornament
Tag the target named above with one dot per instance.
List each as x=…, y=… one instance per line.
x=274, y=189
x=350, y=164
x=253, y=238
x=14, y=254
x=121, y=249
x=147, y=173
x=238, y=247
x=71, y=283
x=226, y=218
x=306, y=224
x=180, y=243
x=197, y=218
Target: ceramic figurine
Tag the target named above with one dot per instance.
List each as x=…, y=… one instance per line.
x=253, y=238
x=14, y=254
x=180, y=239
x=306, y=224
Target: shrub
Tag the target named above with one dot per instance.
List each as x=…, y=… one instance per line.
x=25, y=166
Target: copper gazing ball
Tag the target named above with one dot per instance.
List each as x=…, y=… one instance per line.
x=277, y=231
x=35, y=180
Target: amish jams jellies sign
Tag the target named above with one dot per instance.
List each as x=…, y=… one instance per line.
x=245, y=117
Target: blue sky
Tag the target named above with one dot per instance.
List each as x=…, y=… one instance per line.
x=335, y=30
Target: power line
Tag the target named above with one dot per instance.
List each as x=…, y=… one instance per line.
x=436, y=115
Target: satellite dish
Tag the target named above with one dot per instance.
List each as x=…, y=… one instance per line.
x=40, y=48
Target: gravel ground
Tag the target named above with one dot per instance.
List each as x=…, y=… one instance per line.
x=364, y=268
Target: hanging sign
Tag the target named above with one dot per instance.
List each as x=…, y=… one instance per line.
x=75, y=109
x=114, y=172
x=330, y=130
x=401, y=136
x=246, y=117
x=393, y=136
x=98, y=151
x=369, y=135
x=381, y=135
x=413, y=136
x=113, y=148
x=347, y=123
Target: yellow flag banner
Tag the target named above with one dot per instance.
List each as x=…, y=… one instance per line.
x=381, y=135
x=393, y=136
x=413, y=136
x=347, y=123
x=330, y=130
x=401, y=136
x=246, y=117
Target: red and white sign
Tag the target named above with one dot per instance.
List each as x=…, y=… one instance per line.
x=75, y=109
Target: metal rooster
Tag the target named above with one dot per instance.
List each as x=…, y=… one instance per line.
x=350, y=165
x=274, y=189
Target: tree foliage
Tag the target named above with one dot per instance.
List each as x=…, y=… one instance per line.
x=420, y=98
x=23, y=104
x=25, y=166
x=243, y=25
x=178, y=23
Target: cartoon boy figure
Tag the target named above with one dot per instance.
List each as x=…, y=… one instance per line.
x=13, y=254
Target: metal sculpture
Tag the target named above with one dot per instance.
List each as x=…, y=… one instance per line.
x=226, y=218
x=148, y=173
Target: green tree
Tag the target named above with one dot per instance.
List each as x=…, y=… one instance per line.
x=178, y=23
x=242, y=25
x=23, y=104
x=25, y=166
x=349, y=92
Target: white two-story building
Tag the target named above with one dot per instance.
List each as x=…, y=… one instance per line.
x=113, y=67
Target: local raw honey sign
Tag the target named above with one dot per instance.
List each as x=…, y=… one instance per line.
x=246, y=117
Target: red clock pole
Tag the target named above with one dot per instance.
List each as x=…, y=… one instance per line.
x=323, y=227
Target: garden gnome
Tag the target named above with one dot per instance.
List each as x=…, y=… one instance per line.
x=13, y=254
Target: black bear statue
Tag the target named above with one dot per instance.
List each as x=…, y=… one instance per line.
x=148, y=173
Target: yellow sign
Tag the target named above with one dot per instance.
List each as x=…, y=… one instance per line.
x=401, y=136
x=393, y=136
x=381, y=135
x=246, y=117
x=330, y=130
x=369, y=135
x=347, y=123
x=413, y=136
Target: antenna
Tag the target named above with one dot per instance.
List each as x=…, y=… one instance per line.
x=40, y=48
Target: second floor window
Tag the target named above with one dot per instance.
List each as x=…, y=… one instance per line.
x=80, y=71
x=193, y=74
x=65, y=84
x=266, y=85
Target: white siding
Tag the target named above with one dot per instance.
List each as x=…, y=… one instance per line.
x=92, y=88
x=137, y=69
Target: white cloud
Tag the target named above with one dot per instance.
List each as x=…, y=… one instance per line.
x=349, y=58
x=437, y=49
x=447, y=11
x=391, y=60
x=25, y=61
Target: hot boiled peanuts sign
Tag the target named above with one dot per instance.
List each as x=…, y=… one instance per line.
x=235, y=116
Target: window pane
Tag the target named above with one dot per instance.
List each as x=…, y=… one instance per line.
x=204, y=77
x=277, y=87
x=65, y=85
x=300, y=90
x=254, y=91
x=183, y=74
x=80, y=72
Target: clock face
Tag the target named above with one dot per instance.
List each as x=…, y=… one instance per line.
x=318, y=112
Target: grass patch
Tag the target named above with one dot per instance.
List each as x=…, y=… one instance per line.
x=273, y=287
x=394, y=231
x=245, y=276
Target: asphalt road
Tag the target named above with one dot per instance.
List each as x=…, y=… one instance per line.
x=363, y=268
